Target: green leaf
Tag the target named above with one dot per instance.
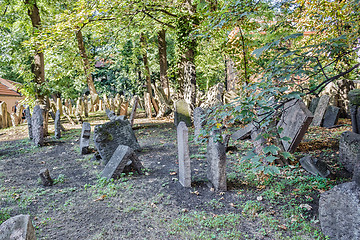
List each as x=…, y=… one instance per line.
x=271, y=149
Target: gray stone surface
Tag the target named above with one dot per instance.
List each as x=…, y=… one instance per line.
x=354, y=97
x=331, y=116
x=85, y=138
x=320, y=110
x=216, y=158
x=355, y=118
x=123, y=159
x=349, y=150
x=57, y=125
x=133, y=110
x=28, y=119
x=339, y=212
x=294, y=121
x=110, y=135
x=315, y=166
x=243, y=133
x=182, y=113
x=183, y=155
x=45, y=177
x=199, y=121
x=37, y=122
x=19, y=227
x=110, y=114
x=313, y=104
x=258, y=142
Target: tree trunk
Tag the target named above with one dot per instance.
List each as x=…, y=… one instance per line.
x=147, y=72
x=163, y=63
x=38, y=66
x=89, y=79
x=188, y=77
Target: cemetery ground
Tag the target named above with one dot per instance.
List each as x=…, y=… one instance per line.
x=80, y=205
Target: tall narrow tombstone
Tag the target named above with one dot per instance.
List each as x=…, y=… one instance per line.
x=183, y=155
x=320, y=110
x=3, y=114
x=199, y=121
x=216, y=158
x=133, y=110
x=57, y=124
x=85, y=138
x=86, y=106
x=28, y=119
x=182, y=113
x=313, y=104
x=354, y=99
x=38, y=126
x=147, y=103
x=19, y=114
x=294, y=121
x=14, y=119
x=18, y=227
x=331, y=116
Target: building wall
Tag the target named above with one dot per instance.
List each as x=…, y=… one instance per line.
x=10, y=101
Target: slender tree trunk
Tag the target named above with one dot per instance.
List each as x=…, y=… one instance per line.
x=38, y=66
x=163, y=63
x=147, y=72
x=89, y=79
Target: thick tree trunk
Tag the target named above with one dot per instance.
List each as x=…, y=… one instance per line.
x=89, y=79
x=163, y=63
x=147, y=72
x=38, y=66
x=188, y=77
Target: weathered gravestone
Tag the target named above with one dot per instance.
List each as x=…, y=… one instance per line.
x=123, y=160
x=45, y=177
x=216, y=158
x=199, y=121
x=339, y=212
x=183, y=155
x=4, y=115
x=313, y=104
x=85, y=138
x=147, y=105
x=349, y=150
x=294, y=121
x=258, y=141
x=243, y=133
x=331, y=116
x=37, y=122
x=354, y=99
x=320, y=110
x=182, y=113
x=19, y=227
x=110, y=135
x=57, y=125
x=110, y=114
x=315, y=166
x=28, y=119
x=133, y=110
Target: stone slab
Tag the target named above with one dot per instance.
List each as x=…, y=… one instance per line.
x=57, y=124
x=110, y=135
x=320, y=110
x=199, y=121
x=85, y=138
x=18, y=227
x=37, y=122
x=28, y=119
x=331, y=116
x=339, y=212
x=294, y=121
x=349, y=150
x=182, y=113
x=183, y=155
x=313, y=104
x=243, y=133
x=315, y=166
x=123, y=158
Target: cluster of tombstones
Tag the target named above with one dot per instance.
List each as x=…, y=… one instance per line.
x=115, y=143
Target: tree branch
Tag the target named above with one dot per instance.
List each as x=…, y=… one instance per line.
x=157, y=20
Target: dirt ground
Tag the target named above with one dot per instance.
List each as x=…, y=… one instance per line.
x=152, y=206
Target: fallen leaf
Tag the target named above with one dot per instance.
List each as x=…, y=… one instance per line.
x=306, y=206
x=101, y=198
x=282, y=226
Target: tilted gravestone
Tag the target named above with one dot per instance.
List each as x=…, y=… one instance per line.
x=216, y=158
x=320, y=110
x=243, y=133
x=45, y=177
x=294, y=121
x=57, y=125
x=85, y=138
x=331, y=116
x=110, y=135
x=183, y=155
x=17, y=228
x=4, y=115
x=349, y=150
x=339, y=212
x=199, y=121
x=133, y=110
x=37, y=122
x=315, y=166
x=313, y=104
x=28, y=119
x=354, y=99
x=123, y=159
x=182, y=113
